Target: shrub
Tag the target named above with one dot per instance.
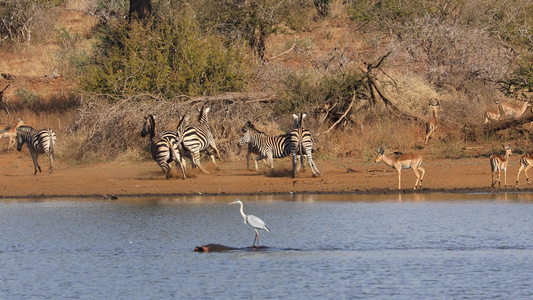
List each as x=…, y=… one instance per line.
x=306, y=90
x=26, y=96
x=520, y=80
x=22, y=21
x=169, y=58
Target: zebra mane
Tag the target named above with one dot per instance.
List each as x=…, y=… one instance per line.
x=25, y=128
x=202, y=117
x=251, y=126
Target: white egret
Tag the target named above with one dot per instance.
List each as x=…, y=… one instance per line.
x=253, y=221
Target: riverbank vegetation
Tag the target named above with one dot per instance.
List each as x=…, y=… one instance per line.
x=364, y=71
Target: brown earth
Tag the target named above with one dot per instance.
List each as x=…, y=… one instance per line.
x=147, y=179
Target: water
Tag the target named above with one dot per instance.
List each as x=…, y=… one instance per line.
x=422, y=246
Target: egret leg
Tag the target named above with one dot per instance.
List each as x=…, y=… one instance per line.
x=256, y=238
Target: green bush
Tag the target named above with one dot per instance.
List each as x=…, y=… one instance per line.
x=520, y=80
x=168, y=57
x=26, y=96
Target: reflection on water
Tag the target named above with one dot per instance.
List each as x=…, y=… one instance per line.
x=399, y=246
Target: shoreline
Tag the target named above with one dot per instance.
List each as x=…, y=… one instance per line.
x=347, y=176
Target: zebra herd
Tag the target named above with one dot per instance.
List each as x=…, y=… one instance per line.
x=190, y=140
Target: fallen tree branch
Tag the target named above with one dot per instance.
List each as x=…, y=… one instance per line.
x=342, y=117
x=285, y=52
x=232, y=97
x=508, y=123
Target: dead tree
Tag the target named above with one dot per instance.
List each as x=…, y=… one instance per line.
x=2, y=103
x=374, y=86
x=140, y=9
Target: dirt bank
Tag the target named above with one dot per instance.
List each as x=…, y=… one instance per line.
x=347, y=176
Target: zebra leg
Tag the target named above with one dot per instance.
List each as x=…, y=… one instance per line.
x=214, y=146
x=258, y=158
x=177, y=159
x=51, y=157
x=166, y=168
x=36, y=166
x=196, y=160
x=248, y=160
x=270, y=160
x=183, y=163
x=294, y=162
x=213, y=157
x=312, y=165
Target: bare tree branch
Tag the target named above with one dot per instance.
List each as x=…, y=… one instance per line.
x=343, y=115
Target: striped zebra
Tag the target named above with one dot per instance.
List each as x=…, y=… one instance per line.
x=267, y=147
x=198, y=138
x=39, y=142
x=176, y=137
x=163, y=148
x=302, y=144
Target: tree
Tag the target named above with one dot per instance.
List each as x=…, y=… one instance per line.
x=140, y=9
x=322, y=7
x=252, y=21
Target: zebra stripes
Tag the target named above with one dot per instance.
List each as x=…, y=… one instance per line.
x=301, y=143
x=164, y=149
x=198, y=138
x=39, y=142
x=266, y=146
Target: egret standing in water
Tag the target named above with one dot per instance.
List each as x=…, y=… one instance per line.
x=253, y=221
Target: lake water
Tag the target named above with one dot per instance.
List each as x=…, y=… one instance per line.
x=414, y=246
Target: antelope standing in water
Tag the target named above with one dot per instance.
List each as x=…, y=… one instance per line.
x=402, y=161
x=526, y=162
x=498, y=163
x=433, y=122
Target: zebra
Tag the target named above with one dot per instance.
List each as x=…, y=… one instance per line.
x=268, y=147
x=197, y=138
x=302, y=144
x=164, y=148
x=39, y=142
x=176, y=137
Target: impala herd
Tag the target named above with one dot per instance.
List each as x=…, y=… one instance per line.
x=498, y=162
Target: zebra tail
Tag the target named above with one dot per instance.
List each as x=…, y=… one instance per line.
x=52, y=140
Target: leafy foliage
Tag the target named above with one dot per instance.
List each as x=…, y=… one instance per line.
x=253, y=21
x=170, y=57
x=520, y=80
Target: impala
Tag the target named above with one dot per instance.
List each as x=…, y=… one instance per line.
x=493, y=114
x=11, y=133
x=526, y=162
x=402, y=161
x=499, y=163
x=433, y=123
x=512, y=110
